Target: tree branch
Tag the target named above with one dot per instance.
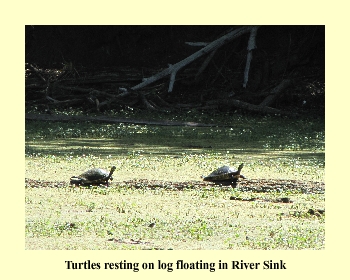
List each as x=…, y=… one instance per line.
x=250, y=48
x=173, y=69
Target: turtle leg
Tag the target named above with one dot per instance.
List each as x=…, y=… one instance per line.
x=107, y=183
x=234, y=183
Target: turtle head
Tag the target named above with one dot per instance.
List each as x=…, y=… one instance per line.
x=238, y=173
x=111, y=172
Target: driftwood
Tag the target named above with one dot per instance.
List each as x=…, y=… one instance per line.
x=264, y=106
x=58, y=89
x=151, y=101
x=173, y=69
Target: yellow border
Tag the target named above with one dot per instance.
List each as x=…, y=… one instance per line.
x=16, y=263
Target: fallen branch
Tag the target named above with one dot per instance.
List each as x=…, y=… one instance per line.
x=275, y=93
x=106, y=119
x=37, y=72
x=173, y=69
x=250, y=48
x=56, y=103
x=204, y=65
x=249, y=107
x=147, y=104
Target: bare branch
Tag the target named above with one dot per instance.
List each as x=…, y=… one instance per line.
x=250, y=48
x=197, y=44
x=173, y=69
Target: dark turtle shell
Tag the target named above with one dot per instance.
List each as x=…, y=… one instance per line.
x=225, y=175
x=93, y=176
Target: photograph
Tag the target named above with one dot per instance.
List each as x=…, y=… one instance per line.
x=175, y=137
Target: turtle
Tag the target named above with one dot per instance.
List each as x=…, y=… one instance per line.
x=93, y=176
x=225, y=175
